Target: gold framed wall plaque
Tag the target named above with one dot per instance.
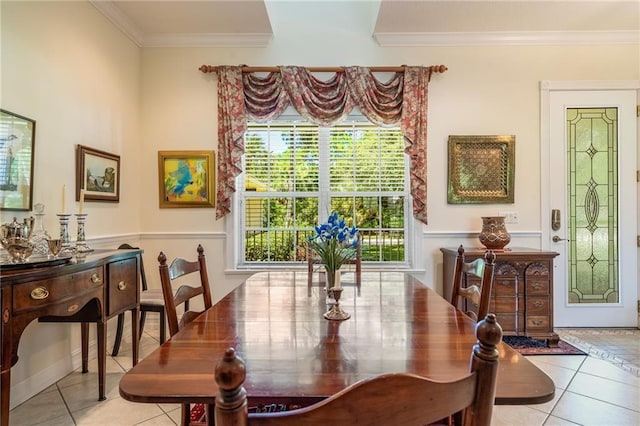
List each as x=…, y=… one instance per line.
x=481, y=169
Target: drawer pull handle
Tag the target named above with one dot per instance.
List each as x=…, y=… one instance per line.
x=122, y=285
x=537, y=322
x=39, y=293
x=536, y=286
x=95, y=278
x=537, y=303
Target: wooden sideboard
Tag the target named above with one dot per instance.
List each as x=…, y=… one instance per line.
x=86, y=289
x=522, y=296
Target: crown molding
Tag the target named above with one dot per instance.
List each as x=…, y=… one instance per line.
x=507, y=38
x=119, y=19
x=207, y=40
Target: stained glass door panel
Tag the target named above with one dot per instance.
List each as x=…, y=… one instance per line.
x=592, y=140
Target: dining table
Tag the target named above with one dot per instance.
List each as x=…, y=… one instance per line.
x=295, y=357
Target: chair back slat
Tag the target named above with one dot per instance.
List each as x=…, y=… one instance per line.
x=476, y=293
x=180, y=268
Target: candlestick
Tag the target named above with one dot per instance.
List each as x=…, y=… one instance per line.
x=81, y=244
x=64, y=230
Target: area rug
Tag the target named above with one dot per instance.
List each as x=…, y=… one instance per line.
x=528, y=346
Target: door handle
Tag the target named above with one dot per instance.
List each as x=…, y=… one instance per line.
x=557, y=239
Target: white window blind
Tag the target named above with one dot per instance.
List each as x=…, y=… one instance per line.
x=296, y=174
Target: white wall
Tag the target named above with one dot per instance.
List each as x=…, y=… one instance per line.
x=65, y=66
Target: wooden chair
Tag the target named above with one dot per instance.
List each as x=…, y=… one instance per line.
x=312, y=260
x=168, y=274
x=476, y=294
x=396, y=398
x=151, y=300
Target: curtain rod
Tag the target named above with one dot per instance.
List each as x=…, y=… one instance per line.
x=213, y=68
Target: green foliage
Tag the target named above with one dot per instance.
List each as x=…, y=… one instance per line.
x=363, y=159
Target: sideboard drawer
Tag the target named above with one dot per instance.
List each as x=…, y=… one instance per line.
x=538, y=306
x=34, y=295
x=123, y=282
x=511, y=323
x=537, y=322
x=535, y=287
x=504, y=286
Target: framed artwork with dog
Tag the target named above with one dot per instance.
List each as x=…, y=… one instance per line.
x=98, y=173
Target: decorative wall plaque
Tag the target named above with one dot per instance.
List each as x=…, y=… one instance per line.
x=481, y=169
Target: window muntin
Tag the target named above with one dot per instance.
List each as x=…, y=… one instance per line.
x=296, y=174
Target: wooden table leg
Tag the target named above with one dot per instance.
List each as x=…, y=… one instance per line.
x=84, y=332
x=135, y=331
x=5, y=387
x=102, y=359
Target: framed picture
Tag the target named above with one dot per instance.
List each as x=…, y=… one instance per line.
x=186, y=179
x=17, y=147
x=481, y=169
x=98, y=173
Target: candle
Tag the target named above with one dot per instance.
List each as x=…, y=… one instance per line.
x=64, y=198
x=81, y=201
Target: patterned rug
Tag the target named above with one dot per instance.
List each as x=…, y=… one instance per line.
x=529, y=346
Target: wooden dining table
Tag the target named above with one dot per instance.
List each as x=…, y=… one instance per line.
x=293, y=355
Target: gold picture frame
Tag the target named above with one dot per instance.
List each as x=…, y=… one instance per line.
x=98, y=173
x=481, y=169
x=186, y=179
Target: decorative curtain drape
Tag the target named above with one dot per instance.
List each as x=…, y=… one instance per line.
x=247, y=96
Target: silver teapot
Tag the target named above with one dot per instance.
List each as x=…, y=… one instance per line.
x=14, y=237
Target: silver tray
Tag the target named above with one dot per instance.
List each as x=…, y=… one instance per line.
x=34, y=261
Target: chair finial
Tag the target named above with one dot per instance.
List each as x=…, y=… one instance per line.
x=489, y=334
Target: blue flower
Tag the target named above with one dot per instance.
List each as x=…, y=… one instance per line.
x=334, y=242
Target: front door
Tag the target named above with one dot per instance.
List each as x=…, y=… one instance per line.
x=591, y=203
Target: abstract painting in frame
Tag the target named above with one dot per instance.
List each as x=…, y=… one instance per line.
x=186, y=179
x=98, y=173
x=17, y=147
x=481, y=169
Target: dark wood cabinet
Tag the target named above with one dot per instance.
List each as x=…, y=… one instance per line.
x=522, y=296
x=88, y=289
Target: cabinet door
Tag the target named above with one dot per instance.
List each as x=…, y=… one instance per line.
x=123, y=285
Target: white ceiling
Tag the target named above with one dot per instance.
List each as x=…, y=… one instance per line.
x=247, y=23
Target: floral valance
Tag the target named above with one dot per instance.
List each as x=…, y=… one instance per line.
x=249, y=96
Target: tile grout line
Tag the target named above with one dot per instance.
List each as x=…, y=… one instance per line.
x=593, y=350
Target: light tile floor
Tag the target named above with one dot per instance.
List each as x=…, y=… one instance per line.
x=600, y=389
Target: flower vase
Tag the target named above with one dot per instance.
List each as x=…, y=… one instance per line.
x=494, y=235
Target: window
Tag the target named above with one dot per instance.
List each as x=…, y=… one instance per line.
x=296, y=174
